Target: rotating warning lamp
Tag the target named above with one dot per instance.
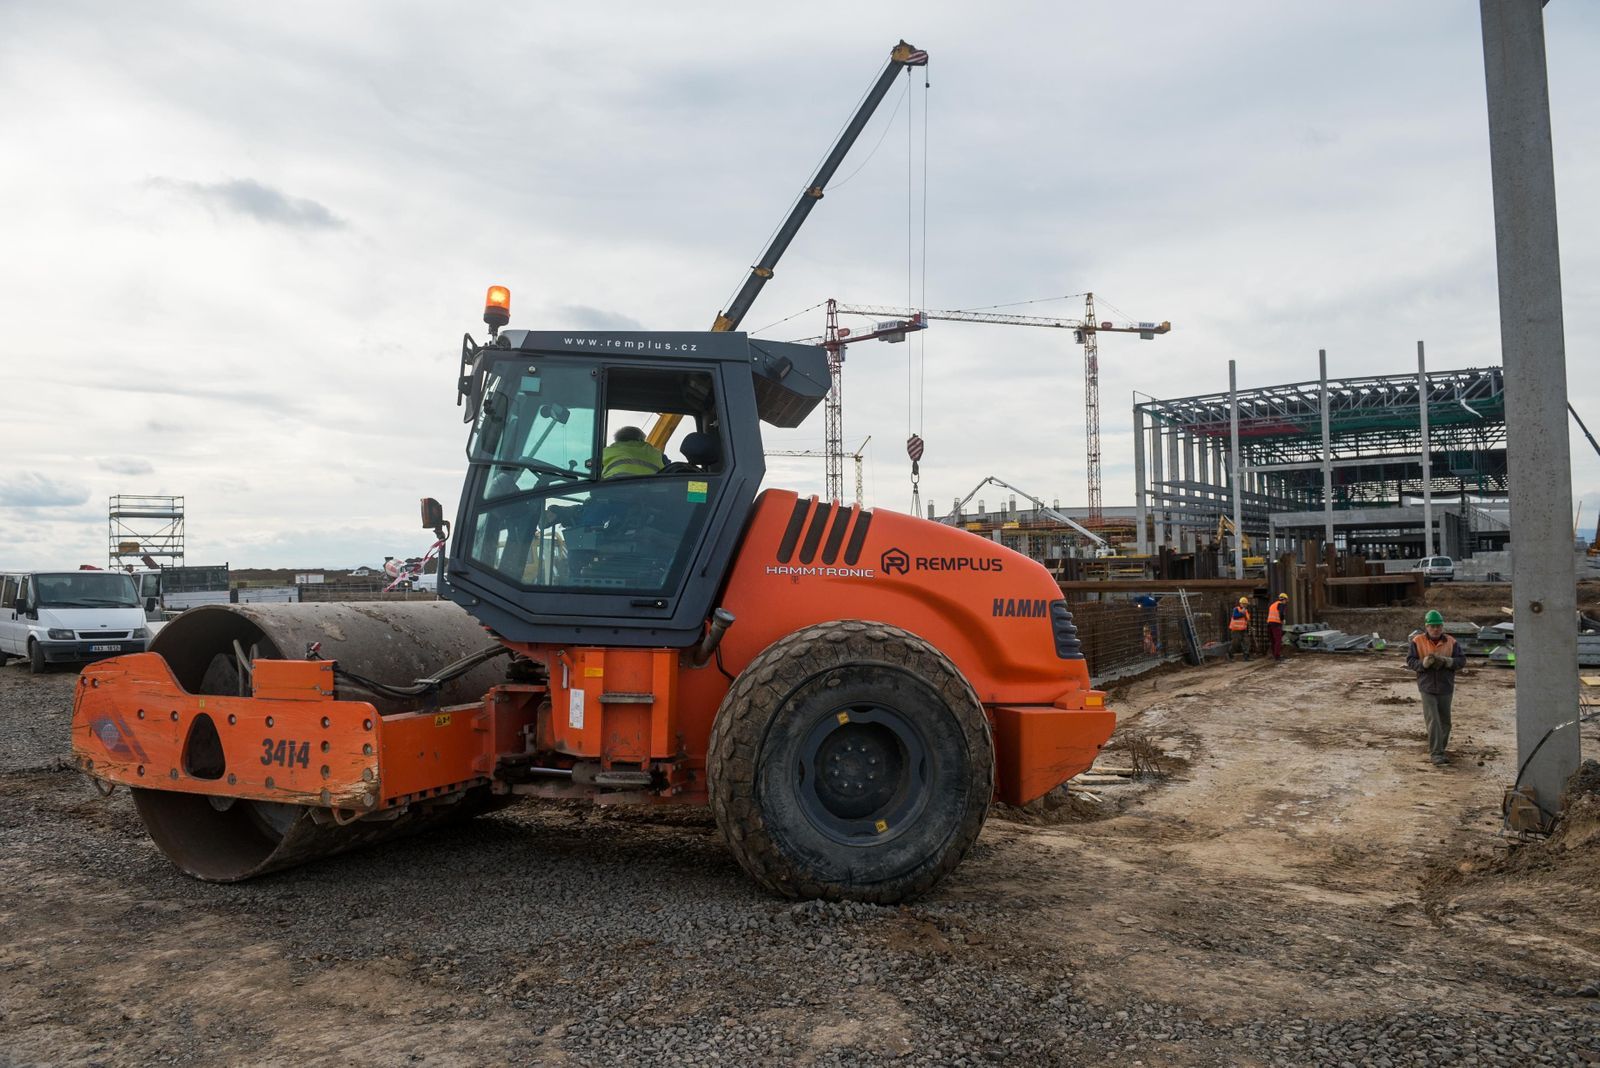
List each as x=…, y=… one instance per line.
x=497, y=308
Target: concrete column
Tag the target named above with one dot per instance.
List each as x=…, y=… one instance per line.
x=1234, y=482
x=1534, y=355
x=1141, y=507
x=1327, y=453
x=1427, y=455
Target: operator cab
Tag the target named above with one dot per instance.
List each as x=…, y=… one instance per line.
x=571, y=528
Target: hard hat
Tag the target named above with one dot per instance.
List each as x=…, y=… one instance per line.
x=1244, y=600
x=1283, y=596
x=1433, y=617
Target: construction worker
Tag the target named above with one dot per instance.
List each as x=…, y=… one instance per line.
x=630, y=454
x=1275, y=624
x=1239, y=629
x=1436, y=657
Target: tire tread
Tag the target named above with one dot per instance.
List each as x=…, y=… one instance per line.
x=762, y=689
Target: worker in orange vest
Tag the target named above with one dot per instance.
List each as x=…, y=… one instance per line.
x=1275, y=624
x=1436, y=657
x=1239, y=629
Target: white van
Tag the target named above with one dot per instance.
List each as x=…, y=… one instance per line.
x=69, y=617
x=1437, y=569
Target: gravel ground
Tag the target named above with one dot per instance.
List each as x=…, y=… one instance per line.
x=1175, y=931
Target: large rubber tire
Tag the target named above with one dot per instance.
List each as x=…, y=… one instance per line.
x=799, y=744
x=37, y=664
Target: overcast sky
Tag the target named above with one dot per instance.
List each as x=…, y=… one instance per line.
x=242, y=241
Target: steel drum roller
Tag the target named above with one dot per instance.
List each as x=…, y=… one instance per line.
x=223, y=840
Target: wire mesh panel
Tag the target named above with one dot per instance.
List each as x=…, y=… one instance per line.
x=1128, y=631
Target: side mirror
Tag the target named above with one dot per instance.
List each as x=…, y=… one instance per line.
x=432, y=513
x=149, y=604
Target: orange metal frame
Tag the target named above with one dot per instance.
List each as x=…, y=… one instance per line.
x=291, y=742
x=643, y=710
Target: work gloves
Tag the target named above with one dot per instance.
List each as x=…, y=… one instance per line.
x=1432, y=661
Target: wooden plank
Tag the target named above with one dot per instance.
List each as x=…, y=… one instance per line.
x=1372, y=580
x=1159, y=585
x=1590, y=680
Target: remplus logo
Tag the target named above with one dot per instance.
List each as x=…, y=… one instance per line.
x=894, y=561
x=898, y=561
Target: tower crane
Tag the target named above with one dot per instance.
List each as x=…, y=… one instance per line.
x=1084, y=330
x=857, y=456
x=902, y=57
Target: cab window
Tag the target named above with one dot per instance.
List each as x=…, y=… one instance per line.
x=539, y=418
x=623, y=517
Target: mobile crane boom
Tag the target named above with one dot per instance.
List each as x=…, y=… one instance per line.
x=901, y=57
x=1058, y=516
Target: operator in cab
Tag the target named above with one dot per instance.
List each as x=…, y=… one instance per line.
x=630, y=454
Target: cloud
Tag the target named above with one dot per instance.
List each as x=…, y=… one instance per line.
x=33, y=490
x=583, y=317
x=125, y=465
x=248, y=197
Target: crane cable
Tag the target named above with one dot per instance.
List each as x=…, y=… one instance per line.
x=786, y=318
x=915, y=363
x=1019, y=303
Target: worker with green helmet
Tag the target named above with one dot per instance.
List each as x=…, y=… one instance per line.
x=1436, y=657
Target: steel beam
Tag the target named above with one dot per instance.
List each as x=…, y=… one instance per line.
x=1427, y=454
x=1158, y=475
x=1327, y=452
x=1234, y=488
x=1527, y=254
x=1141, y=512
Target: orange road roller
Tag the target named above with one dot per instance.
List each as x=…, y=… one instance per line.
x=848, y=688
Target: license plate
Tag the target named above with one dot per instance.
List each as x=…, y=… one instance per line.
x=105, y=648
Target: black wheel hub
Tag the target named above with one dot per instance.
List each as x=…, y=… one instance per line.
x=862, y=774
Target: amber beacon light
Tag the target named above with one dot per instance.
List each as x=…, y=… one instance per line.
x=497, y=308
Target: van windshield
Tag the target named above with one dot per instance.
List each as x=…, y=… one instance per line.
x=85, y=589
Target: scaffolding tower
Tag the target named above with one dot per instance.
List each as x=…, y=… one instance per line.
x=144, y=530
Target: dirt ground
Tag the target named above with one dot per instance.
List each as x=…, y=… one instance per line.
x=1303, y=887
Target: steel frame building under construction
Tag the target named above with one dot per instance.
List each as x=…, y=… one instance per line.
x=1353, y=442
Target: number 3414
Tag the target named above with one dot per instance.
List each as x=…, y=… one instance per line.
x=285, y=753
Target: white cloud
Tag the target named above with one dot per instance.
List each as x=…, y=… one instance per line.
x=33, y=490
x=250, y=198
x=1272, y=180
x=125, y=465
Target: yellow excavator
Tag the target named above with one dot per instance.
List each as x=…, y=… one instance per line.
x=1225, y=527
